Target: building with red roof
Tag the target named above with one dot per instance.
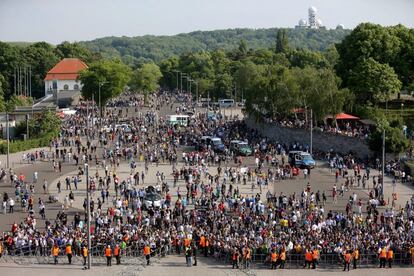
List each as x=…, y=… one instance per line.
x=64, y=76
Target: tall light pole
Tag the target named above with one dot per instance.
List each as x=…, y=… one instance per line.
x=181, y=80
x=100, y=107
x=311, y=131
x=8, y=140
x=383, y=162
x=88, y=214
x=176, y=72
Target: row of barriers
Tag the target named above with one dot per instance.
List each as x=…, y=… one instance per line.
x=133, y=255
x=326, y=260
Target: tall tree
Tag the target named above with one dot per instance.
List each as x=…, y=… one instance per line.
x=373, y=81
x=75, y=50
x=41, y=57
x=146, y=79
x=282, y=42
x=113, y=76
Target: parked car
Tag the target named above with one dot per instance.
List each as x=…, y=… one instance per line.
x=216, y=144
x=202, y=143
x=301, y=159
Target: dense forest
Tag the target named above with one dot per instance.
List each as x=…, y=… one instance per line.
x=137, y=50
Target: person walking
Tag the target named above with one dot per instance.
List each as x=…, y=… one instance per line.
x=108, y=255
x=55, y=253
x=147, y=253
x=85, y=255
x=69, y=253
x=188, y=256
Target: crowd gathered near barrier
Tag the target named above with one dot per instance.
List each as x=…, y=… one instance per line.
x=210, y=217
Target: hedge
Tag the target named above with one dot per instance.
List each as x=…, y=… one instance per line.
x=28, y=144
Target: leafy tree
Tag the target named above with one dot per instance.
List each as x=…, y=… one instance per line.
x=113, y=76
x=282, y=42
x=146, y=79
x=10, y=57
x=373, y=81
x=395, y=141
x=41, y=57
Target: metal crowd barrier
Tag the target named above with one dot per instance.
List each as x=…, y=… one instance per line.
x=131, y=255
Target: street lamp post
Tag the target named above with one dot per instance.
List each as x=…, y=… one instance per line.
x=100, y=107
x=8, y=140
x=88, y=214
x=311, y=131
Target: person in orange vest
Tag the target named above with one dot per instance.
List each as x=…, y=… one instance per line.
x=69, y=253
x=85, y=254
x=308, y=258
x=390, y=257
x=235, y=258
x=108, y=255
x=147, y=253
x=282, y=258
x=355, y=257
x=246, y=256
x=347, y=259
x=117, y=254
x=315, y=258
x=382, y=257
x=1, y=249
x=55, y=253
x=273, y=259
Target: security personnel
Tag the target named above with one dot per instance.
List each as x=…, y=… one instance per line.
x=235, y=258
x=315, y=258
x=69, y=253
x=108, y=255
x=282, y=258
x=187, y=242
x=55, y=253
x=246, y=257
x=117, y=254
x=382, y=257
x=355, y=257
x=412, y=253
x=1, y=249
x=308, y=258
x=85, y=254
x=273, y=259
x=347, y=259
x=147, y=253
x=390, y=257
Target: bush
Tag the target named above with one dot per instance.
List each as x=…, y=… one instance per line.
x=18, y=146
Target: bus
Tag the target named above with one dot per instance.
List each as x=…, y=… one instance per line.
x=226, y=102
x=181, y=120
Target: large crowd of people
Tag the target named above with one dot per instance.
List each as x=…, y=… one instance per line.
x=203, y=211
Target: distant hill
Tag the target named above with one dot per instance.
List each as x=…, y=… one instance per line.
x=136, y=49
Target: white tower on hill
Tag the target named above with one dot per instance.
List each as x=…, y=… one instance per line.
x=313, y=20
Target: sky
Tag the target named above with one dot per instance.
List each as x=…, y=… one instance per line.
x=55, y=21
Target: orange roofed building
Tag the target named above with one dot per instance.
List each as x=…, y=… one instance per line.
x=64, y=76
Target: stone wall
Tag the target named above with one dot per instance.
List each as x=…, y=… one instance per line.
x=321, y=141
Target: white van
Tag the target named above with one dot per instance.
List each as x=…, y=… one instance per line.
x=226, y=102
x=181, y=120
